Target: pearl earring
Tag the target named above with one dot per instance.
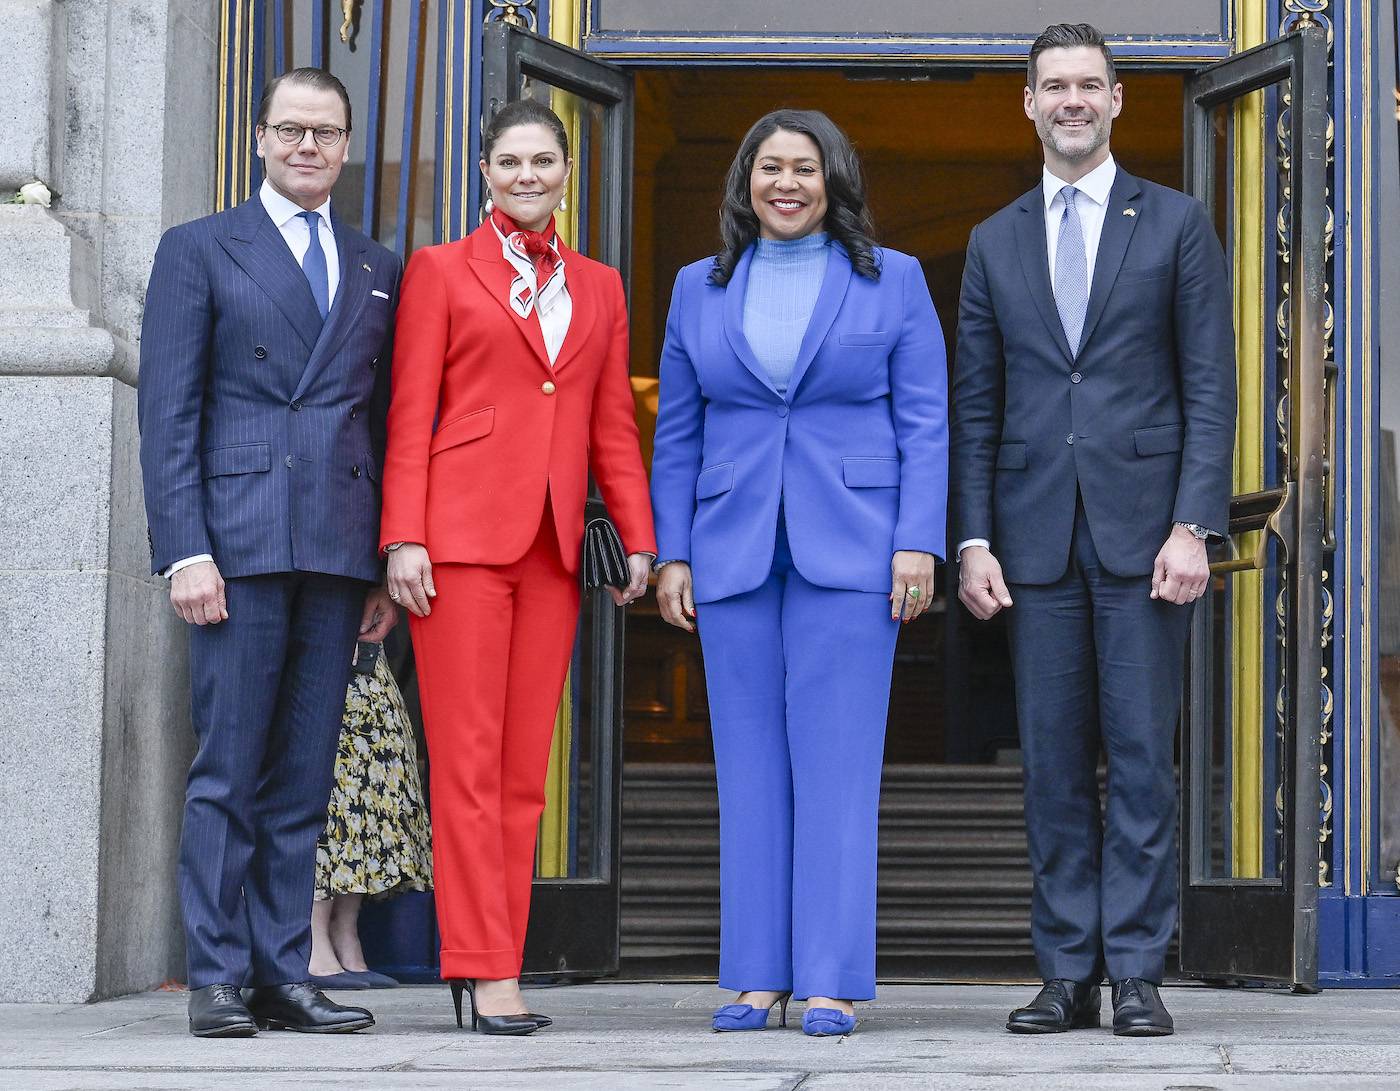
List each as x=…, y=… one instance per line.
x=563, y=204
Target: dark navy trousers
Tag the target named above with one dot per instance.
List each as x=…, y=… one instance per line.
x=799, y=685
x=1098, y=664
x=267, y=698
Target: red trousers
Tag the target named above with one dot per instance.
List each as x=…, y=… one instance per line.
x=492, y=657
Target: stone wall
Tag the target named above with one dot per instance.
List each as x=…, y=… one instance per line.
x=113, y=104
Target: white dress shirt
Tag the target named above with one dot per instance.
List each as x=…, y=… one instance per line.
x=296, y=232
x=554, y=305
x=1096, y=186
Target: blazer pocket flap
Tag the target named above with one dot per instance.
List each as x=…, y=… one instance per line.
x=1143, y=272
x=1160, y=440
x=1011, y=456
x=714, y=480
x=241, y=458
x=870, y=473
x=856, y=339
x=463, y=429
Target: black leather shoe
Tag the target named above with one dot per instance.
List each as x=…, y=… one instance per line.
x=218, y=1011
x=1059, y=1006
x=524, y=1023
x=1138, y=1011
x=302, y=1006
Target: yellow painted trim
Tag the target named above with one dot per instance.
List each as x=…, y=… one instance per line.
x=221, y=151
x=1251, y=716
x=448, y=113
x=552, y=854
x=245, y=182
x=471, y=115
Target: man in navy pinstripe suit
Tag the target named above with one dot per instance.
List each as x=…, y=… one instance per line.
x=264, y=379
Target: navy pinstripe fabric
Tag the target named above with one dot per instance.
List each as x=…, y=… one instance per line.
x=268, y=692
x=261, y=426
x=262, y=429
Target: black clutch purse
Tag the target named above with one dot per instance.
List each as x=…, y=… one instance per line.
x=604, y=562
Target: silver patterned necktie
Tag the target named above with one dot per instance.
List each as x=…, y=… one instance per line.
x=1071, y=272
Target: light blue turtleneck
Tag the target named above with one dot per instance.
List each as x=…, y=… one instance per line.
x=785, y=276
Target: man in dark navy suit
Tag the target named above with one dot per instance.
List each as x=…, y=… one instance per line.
x=264, y=369
x=1093, y=416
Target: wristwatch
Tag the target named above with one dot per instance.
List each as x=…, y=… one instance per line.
x=1197, y=531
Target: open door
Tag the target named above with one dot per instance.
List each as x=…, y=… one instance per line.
x=575, y=912
x=1257, y=703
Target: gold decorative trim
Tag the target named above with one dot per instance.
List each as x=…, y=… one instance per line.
x=1247, y=627
x=520, y=12
x=350, y=23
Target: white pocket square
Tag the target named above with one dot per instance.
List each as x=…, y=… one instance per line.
x=381, y=295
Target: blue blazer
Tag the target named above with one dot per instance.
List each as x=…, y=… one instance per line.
x=856, y=454
x=261, y=426
x=1140, y=425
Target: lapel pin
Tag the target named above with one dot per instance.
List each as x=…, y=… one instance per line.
x=1130, y=212
x=366, y=268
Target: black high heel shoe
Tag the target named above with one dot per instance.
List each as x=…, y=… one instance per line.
x=488, y=1024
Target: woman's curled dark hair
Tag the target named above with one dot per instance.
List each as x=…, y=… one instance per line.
x=848, y=218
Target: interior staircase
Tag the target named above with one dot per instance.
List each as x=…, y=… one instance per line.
x=954, y=887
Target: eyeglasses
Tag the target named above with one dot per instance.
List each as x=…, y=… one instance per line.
x=328, y=136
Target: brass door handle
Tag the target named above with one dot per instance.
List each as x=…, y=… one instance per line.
x=1275, y=512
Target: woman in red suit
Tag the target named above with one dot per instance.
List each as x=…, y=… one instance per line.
x=510, y=383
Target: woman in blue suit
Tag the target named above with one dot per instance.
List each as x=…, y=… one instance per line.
x=799, y=485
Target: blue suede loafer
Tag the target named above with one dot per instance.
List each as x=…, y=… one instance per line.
x=827, y=1022
x=747, y=1017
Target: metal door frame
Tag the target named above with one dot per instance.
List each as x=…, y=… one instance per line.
x=1266, y=929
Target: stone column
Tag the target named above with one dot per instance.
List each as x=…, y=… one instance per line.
x=112, y=103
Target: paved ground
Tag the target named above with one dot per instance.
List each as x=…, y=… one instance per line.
x=639, y=1037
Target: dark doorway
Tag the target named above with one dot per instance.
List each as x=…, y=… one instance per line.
x=942, y=150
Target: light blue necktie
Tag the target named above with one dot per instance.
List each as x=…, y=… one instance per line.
x=313, y=264
x=1071, y=272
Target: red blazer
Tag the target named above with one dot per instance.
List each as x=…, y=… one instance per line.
x=471, y=487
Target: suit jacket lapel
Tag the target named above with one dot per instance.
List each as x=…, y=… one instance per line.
x=259, y=249
x=835, y=281
x=350, y=294
x=1035, y=264
x=734, y=320
x=496, y=275
x=585, y=309
x=1120, y=218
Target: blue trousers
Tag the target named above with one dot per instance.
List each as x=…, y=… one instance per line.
x=799, y=687
x=267, y=698
x=1098, y=664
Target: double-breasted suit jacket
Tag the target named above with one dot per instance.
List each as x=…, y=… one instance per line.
x=481, y=426
x=262, y=425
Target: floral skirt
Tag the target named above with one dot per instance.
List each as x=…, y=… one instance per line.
x=377, y=840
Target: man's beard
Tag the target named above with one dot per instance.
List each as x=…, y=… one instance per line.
x=1098, y=137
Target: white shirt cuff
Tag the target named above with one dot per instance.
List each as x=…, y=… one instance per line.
x=196, y=559
x=972, y=542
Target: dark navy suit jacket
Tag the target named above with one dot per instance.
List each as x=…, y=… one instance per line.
x=262, y=426
x=857, y=453
x=1141, y=423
